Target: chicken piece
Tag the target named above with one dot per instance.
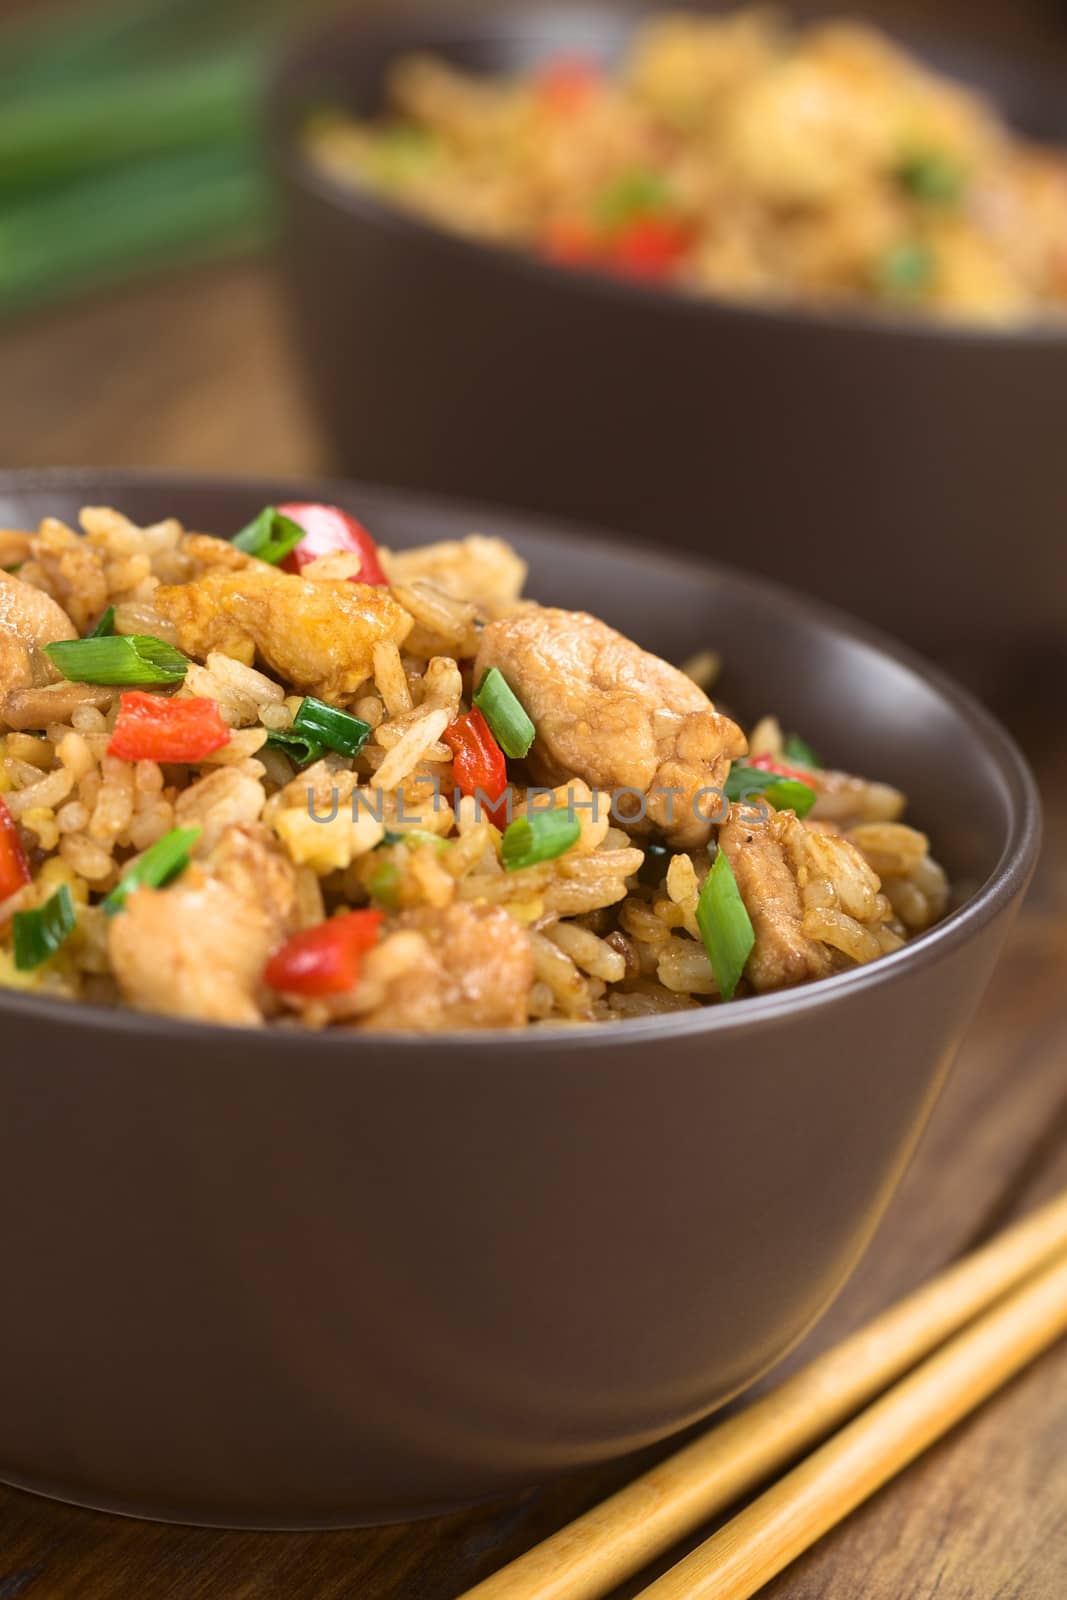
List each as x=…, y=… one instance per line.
x=29, y=619
x=218, y=801
x=318, y=636
x=807, y=133
x=611, y=714
x=842, y=798
x=198, y=949
x=815, y=904
x=70, y=569
x=206, y=552
x=15, y=546
x=249, y=860
x=783, y=954
x=686, y=69
x=485, y=571
x=462, y=966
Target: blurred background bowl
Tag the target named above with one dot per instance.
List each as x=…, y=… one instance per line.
x=913, y=473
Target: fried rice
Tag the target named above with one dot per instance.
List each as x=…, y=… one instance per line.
x=465, y=908
x=736, y=155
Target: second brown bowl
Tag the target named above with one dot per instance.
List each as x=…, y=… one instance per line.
x=913, y=473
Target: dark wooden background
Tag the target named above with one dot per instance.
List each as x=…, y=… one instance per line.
x=194, y=372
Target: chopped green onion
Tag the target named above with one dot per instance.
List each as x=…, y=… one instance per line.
x=159, y=864
x=123, y=220
x=905, y=270
x=784, y=794
x=725, y=926
x=798, y=749
x=105, y=627
x=299, y=747
x=126, y=659
x=39, y=933
x=541, y=835
x=270, y=536
x=412, y=836
x=635, y=194
x=501, y=708
x=401, y=152
x=417, y=836
x=383, y=884
x=657, y=860
x=932, y=176
x=13, y=568
x=325, y=725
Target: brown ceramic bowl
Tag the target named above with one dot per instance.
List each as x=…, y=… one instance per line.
x=912, y=473
x=267, y=1278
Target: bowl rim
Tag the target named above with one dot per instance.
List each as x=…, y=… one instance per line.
x=413, y=28
x=1008, y=878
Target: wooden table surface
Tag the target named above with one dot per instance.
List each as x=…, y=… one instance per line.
x=195, y=373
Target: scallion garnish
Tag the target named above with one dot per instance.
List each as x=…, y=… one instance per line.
x=932, y=176
x=797, y=749
x=13, y=568
x=540, y=835
x=905, y=270
x=402, y=152
x=784, y=794
x=270, y=536
x=127, y=659
x=39, y=933
x=105, y=627
x=383, y=884
x=725, y=926
x=639, y=193
x=411, y=836
x=325, y=725
x=501, y=708
x=160, y=863
x=417, y=836
x=301, y=750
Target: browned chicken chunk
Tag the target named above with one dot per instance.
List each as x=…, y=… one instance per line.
x=815, y=903
x=463, y=966
x=317, y=635
x=29, y=619
x=198, y=949
x=782, y=954
x=15, y=546
x=610, y=713
x=487, y=571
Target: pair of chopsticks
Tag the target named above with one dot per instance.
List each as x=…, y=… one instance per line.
x=951, y=1345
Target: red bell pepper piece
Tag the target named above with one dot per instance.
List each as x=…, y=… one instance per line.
x=325, y=959
x=649, y=246
x=772, y=764
x=566, y=82
x=327, y=530
x=14, y=868
x=573, y=243
x=479, y=765
x=152, y=728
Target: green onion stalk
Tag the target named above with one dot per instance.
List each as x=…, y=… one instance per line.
x=129, y=140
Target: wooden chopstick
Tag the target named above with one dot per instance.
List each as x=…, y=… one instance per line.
x=814, y=1497
x=614, y=1540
